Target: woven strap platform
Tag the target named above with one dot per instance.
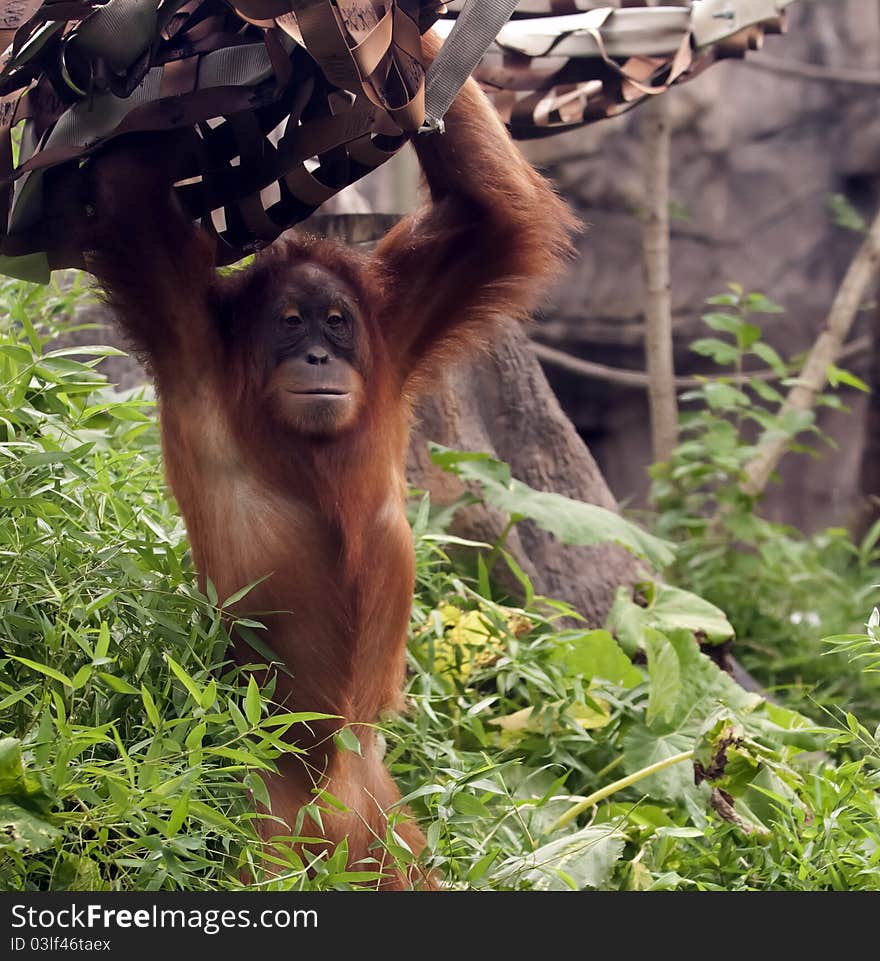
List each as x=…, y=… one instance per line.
x=282, y=103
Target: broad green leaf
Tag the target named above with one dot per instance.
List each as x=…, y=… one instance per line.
x=12, y=779
x=727, y=300
x=196, y=736
x=23, y=831
x=469, y=805
x=584, y=859
x=103, y=644
x=666, y=609
x=721, y=396
x=672, y=608
x=705, y=686
x=704, y=690
x=770, y=357
x=747, y=335
x=257, y=786
x=726, y=323
x=178, y=814
x=757, y=303
x=643, y=747
x=766, y=392
x=209, y=695
x=592, y=654
x=479, y=869
x=81, y=678
x=664, y=675
x=571, y=521
x=720, y=351
x=626, y=621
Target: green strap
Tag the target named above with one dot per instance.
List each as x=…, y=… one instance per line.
x=119, y=32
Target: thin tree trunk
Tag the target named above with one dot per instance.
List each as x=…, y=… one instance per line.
x=658, y=300
x=824, y=352
x=501, y=403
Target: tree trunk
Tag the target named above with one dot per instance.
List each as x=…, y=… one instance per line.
x=656, y=137
x=501, y=403
x=869, y=469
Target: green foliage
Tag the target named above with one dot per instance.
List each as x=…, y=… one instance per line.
x=129, y=745
x=573, y=522
x=780, y=590
x=538, y=753
x=503, y=745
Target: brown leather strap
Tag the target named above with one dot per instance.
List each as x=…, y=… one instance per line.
x=323, y=133
x=383, y=61
x=278, y=57
x=306, y=187
x=369, y=52
x=263, y=10
x=320, y=28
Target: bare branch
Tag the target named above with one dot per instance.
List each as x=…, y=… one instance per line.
x=588, y=368
x=639, y=379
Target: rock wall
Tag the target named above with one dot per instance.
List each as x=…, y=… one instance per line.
x=756, y=156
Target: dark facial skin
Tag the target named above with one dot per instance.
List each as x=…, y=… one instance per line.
x=317, y=349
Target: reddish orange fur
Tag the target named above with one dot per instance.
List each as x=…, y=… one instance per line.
x=324, y=518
